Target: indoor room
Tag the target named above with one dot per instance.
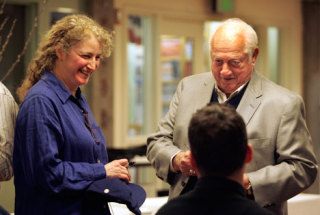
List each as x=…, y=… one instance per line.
x=155, y=45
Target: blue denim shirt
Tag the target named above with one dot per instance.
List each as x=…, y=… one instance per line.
x=56, y=156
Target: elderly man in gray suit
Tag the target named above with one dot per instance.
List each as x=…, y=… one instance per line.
x=284, y=163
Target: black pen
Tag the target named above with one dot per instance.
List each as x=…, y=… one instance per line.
x=132, y=163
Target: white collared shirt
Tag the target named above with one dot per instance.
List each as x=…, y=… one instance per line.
x=8, y=113
x=222, y=97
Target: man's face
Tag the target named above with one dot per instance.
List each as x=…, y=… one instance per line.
x=231, y=66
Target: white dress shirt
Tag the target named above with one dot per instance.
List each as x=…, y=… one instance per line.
x=8, y=113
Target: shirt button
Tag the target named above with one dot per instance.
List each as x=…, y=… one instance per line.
x=98, y=161
x=106, y=190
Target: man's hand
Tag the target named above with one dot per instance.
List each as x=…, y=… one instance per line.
x=182, y=163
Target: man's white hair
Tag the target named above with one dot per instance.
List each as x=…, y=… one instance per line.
x=236, y=26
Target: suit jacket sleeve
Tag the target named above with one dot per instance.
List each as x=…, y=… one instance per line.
x=160, y=145
x=294, y=167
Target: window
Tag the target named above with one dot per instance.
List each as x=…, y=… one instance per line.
x=176, y=55
x=139, y=55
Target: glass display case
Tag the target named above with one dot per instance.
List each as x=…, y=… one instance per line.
x=176, y=54
x=139, y=73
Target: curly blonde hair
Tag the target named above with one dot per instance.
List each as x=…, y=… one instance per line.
x=66, y=32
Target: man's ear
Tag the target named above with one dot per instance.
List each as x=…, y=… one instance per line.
x=255, y=56
x=249, y=154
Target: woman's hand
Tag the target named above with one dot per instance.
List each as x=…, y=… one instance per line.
x=118, y=169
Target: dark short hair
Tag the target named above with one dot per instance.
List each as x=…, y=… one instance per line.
x=218, y=139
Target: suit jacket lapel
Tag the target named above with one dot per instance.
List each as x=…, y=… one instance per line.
x=204, y=93
x=251, y=98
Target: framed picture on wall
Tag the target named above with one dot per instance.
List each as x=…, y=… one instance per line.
x=60, y=13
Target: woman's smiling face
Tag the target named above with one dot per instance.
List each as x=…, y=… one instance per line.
x=75, y=66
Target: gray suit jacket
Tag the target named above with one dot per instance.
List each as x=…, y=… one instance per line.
x=283, y=164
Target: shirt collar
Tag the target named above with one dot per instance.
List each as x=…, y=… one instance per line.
x=60, y=89
x=222, y=97
x=219, y=184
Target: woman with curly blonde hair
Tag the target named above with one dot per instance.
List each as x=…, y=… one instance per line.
x=59, y=149
x=64, y=34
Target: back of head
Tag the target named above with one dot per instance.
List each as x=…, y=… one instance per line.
x=65, y=33
x=218, y=140
x=235, y=27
